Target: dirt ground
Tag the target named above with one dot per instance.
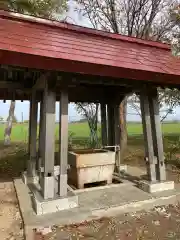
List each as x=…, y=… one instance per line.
x=11, y=227
x=11, y=166
x=159, y=224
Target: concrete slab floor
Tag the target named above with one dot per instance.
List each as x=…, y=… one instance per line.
x=95, y=204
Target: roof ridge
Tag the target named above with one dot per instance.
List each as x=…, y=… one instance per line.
x=85, y=30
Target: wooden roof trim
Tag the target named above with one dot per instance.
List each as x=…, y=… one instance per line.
x=79, y=29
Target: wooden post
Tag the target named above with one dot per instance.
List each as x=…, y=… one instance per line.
x=48, y=127
x=117, y=132
x=147, y=130
x=63, y=147
x=111, y=137
x=31, y=168
x=157, y=135
x=33, y=134
x=29, y=130
x=103, y=124
x=40, y=140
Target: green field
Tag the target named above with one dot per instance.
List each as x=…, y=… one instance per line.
x=20, y=131
x=12, y=164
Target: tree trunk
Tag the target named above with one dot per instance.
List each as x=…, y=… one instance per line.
x=8, y=129
x=93, y=133
x=123, y=126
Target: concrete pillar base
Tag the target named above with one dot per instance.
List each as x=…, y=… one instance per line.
x=42, y=206
x=29, y=180
x=63, y=185
x=56, y=170
x=156, y=186
x=123, y=168
x=47, y=187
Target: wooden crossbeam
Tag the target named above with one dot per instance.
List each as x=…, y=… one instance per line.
x=10, y=85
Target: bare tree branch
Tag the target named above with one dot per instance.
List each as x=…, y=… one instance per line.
x=147, y=19
x=90, y=113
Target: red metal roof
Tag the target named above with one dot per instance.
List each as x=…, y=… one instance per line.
x=37, y=43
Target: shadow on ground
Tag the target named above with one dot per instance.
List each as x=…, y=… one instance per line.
x=12, y=160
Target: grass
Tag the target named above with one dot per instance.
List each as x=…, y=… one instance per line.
x=13, y=162
x=13, y=158
x=167, y=129
x=81, y=130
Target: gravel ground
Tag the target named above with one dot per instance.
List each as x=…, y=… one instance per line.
x=160, y=223
x=11, y=227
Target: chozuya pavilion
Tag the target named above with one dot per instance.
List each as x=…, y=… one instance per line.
x=46, y=61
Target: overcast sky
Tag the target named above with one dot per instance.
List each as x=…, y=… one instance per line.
x=22, y=108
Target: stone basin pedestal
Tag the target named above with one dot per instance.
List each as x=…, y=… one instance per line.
x=89, y=166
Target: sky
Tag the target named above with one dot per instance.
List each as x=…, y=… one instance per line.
x=22, y=108
x=22, y=111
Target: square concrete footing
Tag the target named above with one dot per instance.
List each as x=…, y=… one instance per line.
x=56, y=170
x=156, y=187
x=123, y=168
x=29, y=180
x=42, y=206
x=47, y=185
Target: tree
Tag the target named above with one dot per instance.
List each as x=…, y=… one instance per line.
x=20, y=6
x=15, y=120
x=39, y=8
x=146, y=19
x=168, y=100
x=8, y=129
x=1, y=119
x=90, y=113
x=175, y=14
